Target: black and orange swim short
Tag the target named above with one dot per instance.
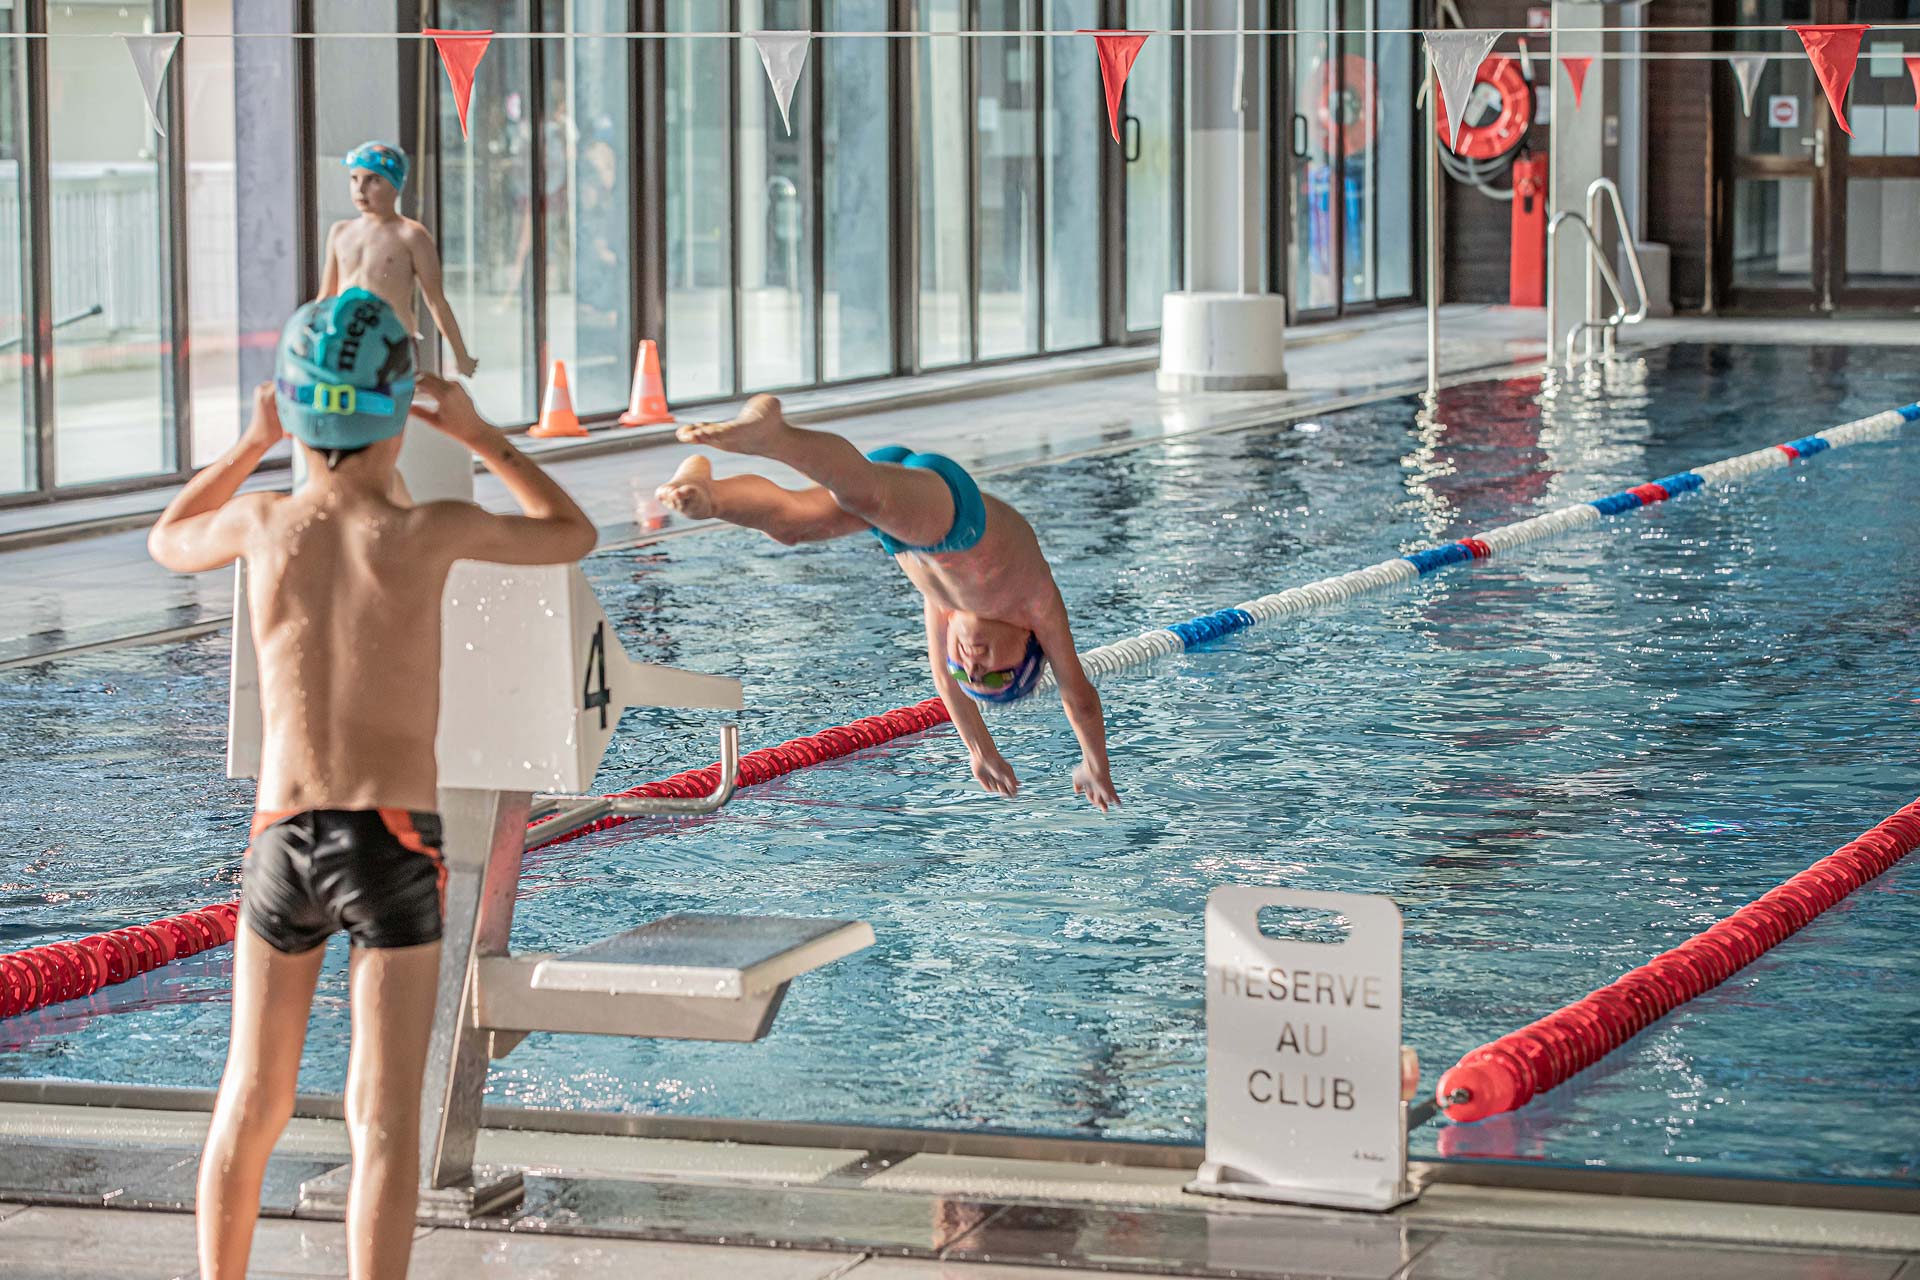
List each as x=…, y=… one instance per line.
x=376, y=873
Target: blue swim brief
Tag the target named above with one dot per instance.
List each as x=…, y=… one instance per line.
x=969, y=508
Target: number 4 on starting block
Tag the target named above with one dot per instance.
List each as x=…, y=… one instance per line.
x=532, y=681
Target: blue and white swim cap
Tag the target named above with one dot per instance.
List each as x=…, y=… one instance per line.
x=390, y=162
x=343, y=377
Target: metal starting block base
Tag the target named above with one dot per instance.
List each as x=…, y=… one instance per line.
x=495, y=1189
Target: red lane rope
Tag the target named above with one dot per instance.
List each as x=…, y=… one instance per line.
x=1504, y=1075
x=769, y=763
x=60, y=971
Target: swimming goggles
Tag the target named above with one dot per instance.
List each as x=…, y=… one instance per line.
x=992, y=681
x=339, y=397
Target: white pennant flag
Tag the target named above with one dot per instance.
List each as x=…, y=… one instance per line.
x=783, y=53
x=151, y=57
x=1747, y=71
x=1456, y=57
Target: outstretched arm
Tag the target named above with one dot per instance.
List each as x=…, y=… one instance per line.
x=990, y=768
x=330, y=274
x=554, y=529
x=1082, y=704
x=203, y=527
x=426, y=266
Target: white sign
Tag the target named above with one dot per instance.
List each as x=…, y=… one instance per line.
x=1783, y=111
x=1303, y=1051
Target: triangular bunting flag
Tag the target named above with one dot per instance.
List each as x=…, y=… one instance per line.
x=1833, y=48
x=1913, y=69
x=783, y=54
x=152, y=55
x=460, y=54
x=1747, y=69
x=1577, y=74
x=1456, y=57
x=1117, y=49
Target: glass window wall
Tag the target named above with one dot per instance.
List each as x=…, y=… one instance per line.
x=857, y=186
x=589, y=222
x=109, y=256
x=19, y=445
x=944, y=145
x=1006, y=182
x=773, y=220
x=1151, y=156
x=488, y=198
x=1075, y=132
x=698, y=343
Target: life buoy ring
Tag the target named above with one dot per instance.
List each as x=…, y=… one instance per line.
x=1504, y=133
x=1353, y=107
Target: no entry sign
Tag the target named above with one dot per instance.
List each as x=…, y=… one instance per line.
x=1303, y=1049
x=1783, y=111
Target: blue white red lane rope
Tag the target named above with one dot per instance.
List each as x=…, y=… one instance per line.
x=1414, y=565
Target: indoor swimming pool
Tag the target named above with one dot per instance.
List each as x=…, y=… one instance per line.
x=1557, y=763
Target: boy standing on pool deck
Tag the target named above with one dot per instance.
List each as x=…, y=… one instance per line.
x=346, y=585
x=994, y=615
x=387, y=254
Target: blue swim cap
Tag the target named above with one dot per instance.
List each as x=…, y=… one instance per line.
x=1014, y=683
x=390, y=162
x=344, y=374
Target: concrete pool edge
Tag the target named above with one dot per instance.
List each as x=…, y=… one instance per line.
x=1481, y=1193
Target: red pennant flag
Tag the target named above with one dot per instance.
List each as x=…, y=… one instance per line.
x=1913, y=69
x=1833, y=48
x=1577, y=73
x=460, y=54
x=1117, y=49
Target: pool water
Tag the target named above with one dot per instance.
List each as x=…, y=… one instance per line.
x=1558, y=764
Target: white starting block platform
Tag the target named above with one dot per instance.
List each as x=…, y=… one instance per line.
x=533, y=681
x=687, y=977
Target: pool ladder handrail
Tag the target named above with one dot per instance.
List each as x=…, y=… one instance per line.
x=1598, y=269
x=562, y=815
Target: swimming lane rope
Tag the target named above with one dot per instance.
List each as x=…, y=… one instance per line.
x=68, y=967
x=1504, y=1075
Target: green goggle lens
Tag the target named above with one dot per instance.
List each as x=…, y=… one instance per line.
x=994, y=680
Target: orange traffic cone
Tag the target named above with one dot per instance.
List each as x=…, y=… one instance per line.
x=557, y=417
x=649, y=405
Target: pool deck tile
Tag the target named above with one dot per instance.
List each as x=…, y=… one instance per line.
x=73, y=1244
x=789, y=1218
x=920, y=1269
x=173, y=1188
x=1520, y=1255
x=996, y=1179
x=63, y=1173
x=1458, y=1205
x=460, y=1255
x=1197, y=1244
x=602, y=1156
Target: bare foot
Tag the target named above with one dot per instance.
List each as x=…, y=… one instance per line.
x=690, y=492
x=753, y=432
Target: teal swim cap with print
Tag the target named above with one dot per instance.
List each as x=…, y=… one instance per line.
x=389, y=161
x=343, y=377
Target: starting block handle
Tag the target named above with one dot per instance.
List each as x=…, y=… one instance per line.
x=648, y=684
x=575, y=812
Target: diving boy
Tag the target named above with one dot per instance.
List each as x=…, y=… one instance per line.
x=386, y=254
x=345, y=583
x=994, y=615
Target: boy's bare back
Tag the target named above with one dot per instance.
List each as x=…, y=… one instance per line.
x=345, y=588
